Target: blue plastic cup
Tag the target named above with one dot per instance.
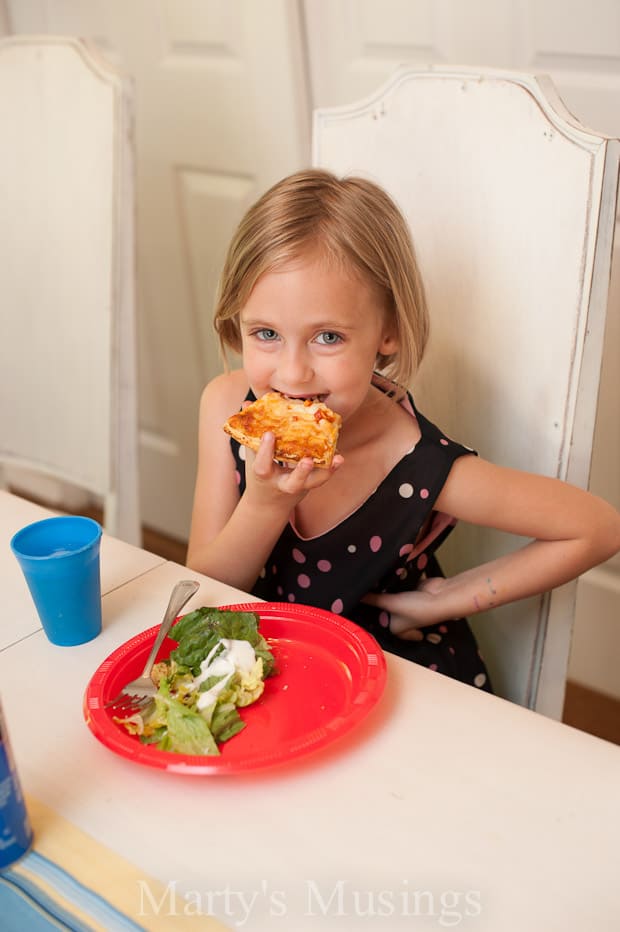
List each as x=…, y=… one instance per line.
x=60, y=559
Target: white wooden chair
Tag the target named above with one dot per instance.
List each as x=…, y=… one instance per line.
x=512, y=207
x=67, y=345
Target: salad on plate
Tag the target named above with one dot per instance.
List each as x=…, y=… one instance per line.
x=219, y=665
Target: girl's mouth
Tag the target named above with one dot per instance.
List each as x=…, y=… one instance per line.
x=310, y=397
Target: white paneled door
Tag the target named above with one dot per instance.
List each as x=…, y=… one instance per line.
x=221, y=113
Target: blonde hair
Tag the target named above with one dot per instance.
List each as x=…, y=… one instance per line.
x=350, y=220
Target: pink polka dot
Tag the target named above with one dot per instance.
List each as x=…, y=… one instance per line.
x=291, y=596
x=424, y=493
x=422, y=561
x=401, y=572
x=407, y=548
x=432, y=666
x=337, y=606
x=375, y=543
x=303, y=581
x=280, y=590
x=444, y=441
x=237, y=477
x=451, y=649
x=298, y=556
x=443, y=629
x=274, y=569
x=324, y=566
x=384, y=619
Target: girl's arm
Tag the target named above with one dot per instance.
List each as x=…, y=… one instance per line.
x=231, y=536
x=571, y=531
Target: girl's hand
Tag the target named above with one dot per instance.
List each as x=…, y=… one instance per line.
x=272, y=484
x=410, y=611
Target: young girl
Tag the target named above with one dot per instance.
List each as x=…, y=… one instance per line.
x=320, y=293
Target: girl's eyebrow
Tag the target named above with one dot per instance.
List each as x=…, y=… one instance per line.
x=312, y=325
x=247, y=322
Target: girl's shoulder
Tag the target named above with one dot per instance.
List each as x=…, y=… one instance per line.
x=224, y=394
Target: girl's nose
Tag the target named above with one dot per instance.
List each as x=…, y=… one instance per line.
x=295, y=368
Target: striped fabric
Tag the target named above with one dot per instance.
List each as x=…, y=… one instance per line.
x=55, y=899
x=68, y=881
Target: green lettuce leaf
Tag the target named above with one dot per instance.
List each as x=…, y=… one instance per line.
x=225, y=721
x=179, y=728
x=198, y=632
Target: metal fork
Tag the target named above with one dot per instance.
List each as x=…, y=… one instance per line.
x=135, y=696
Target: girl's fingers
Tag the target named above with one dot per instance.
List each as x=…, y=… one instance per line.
x=263, y=461
x=296, y=479
x=408, y=634
x=404, y=628
x=292, y=478
x=388, y=600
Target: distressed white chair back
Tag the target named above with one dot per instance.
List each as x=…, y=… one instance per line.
x=511, y=203
x=67, y=346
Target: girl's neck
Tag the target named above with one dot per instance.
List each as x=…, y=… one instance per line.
x=367, y=422
x=372, y=442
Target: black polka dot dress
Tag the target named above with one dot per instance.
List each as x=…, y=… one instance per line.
x=384, y=546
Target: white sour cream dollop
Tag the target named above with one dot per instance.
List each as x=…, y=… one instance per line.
x=236, y=655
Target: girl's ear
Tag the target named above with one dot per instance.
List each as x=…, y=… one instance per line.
x=388, y=344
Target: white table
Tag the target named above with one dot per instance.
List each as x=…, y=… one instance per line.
x=445, y=801
x=120, y=562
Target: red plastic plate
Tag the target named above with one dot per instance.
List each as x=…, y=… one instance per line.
x=331, y=674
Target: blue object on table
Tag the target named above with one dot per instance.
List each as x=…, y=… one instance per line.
x=60, y=560
x=15, y=829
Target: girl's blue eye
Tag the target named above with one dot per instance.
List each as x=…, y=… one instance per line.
x=328, y=338
x=267, y=335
